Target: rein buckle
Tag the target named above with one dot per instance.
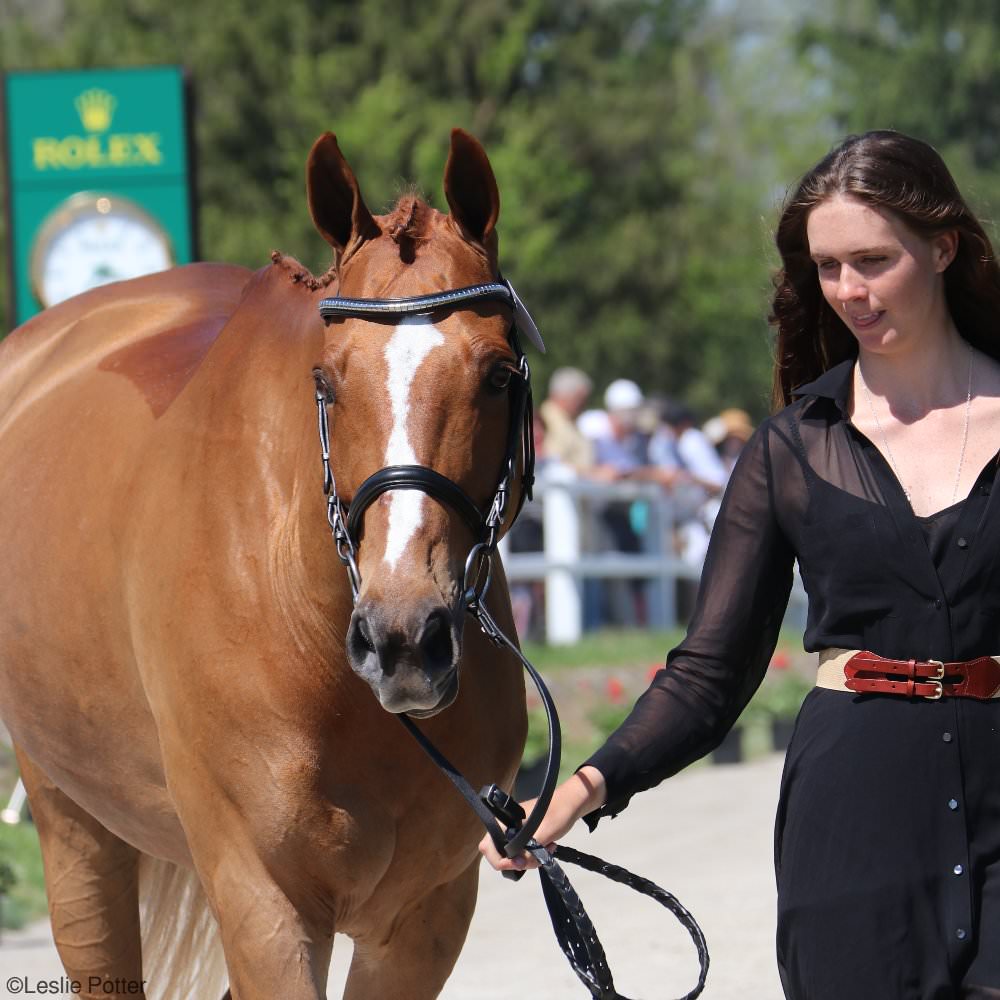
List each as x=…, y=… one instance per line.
x=506, y=809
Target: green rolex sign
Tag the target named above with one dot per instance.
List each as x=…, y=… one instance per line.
x=98, y=175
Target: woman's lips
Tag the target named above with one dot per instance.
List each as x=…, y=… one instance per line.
x=863, y=321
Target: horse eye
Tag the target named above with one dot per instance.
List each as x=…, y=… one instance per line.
x=323, y=386
x=500, y=376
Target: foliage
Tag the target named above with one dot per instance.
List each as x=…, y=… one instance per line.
x=610, y=647
x=607, y=716
x=641, y=146
x=627, y=222
x=926, y=67
x=22, y=884
x=780, y=696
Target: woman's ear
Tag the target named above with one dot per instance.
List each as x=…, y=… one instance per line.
x=945, y=248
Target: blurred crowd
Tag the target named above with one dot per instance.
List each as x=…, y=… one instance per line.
x=632, y=437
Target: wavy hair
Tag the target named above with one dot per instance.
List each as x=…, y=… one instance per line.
x=887, y=170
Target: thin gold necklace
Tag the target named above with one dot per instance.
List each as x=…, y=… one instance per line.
x=885, y=440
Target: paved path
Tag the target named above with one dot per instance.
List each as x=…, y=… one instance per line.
x=704, y=835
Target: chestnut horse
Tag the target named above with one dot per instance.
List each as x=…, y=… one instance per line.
x=185, y=675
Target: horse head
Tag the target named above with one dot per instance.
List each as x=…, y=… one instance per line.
x=425, y=409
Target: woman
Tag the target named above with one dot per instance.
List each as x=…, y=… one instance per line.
x=877, y=475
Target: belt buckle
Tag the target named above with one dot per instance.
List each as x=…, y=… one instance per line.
x=937, y=679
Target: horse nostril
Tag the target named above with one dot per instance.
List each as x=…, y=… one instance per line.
x=436, y=642
x=364, y=636
x=359, y=639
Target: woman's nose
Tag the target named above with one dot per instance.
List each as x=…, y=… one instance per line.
x=850, y=286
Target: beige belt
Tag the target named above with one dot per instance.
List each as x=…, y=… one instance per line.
x=831, y=668
x=930, y=679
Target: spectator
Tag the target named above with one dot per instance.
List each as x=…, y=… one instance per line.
x=694, y=451
x=620, y=453
x=621, y=450
x=563, y=442
x=729, y=432
x=700, y=480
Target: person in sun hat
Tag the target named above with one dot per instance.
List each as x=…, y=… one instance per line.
x=877, y=473
x=729, y=431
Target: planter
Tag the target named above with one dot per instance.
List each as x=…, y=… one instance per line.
x=781, y=733
x=730, y=750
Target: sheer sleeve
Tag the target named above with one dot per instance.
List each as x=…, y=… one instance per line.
x=708, y=679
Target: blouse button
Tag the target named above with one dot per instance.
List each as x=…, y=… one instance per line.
x=952, y=804
x=960, y=933
x=946, y=737
x=937, y=603
x=958, y=869
x=962, y=543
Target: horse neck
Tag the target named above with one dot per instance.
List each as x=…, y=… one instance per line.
x=266, y=409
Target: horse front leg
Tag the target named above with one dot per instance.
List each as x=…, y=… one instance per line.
x=273, y=948
x=91, y=878
x=413, y=961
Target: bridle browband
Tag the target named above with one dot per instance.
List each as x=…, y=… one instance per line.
x=346, y=521
x=573, y=929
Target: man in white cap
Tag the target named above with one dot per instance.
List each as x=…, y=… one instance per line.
x=621, y=450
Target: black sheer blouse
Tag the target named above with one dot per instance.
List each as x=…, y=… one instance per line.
x=810, y=486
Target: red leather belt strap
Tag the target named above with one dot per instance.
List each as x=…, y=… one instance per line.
x=865, y=672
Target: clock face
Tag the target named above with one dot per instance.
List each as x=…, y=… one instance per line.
x=94, y=239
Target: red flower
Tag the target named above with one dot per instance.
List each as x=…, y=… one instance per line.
x=781, y=660
x=615, y=690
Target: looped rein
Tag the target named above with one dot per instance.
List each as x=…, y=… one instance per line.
x=573, y=928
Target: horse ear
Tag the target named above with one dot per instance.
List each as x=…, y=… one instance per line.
x=335, y=203
x=470, y=187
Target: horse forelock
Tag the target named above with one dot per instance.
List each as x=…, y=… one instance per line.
x=408, y=220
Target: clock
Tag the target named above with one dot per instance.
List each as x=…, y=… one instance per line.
x=92, y=239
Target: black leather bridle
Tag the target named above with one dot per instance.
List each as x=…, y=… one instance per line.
x=573, y=929
x=346, y=522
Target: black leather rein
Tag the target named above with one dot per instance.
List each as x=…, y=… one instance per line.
x=573, y=929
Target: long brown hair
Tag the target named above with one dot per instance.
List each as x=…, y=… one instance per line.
x=891, y=171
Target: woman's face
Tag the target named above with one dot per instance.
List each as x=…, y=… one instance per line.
x=879, y=276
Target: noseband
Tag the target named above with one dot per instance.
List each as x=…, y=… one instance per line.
x=346, y=521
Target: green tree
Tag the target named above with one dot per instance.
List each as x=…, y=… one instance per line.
x=925, y=67
x=635, y=151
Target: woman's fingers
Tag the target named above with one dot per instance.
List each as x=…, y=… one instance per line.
x=575, y=797
x=523, y=862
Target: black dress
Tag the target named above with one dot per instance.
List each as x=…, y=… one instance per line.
x=887, y=842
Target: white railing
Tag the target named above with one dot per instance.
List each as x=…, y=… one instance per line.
x=568, y=508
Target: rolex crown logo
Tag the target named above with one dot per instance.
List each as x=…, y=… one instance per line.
x=96, y=108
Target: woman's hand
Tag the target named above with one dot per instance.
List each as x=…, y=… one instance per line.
x=578, y=795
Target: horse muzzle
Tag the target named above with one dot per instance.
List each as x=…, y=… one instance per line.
x=410, y=662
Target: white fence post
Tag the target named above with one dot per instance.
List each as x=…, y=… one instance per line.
x=657, y=541
x=563, y=587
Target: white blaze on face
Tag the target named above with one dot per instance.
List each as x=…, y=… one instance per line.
x=414, y=339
